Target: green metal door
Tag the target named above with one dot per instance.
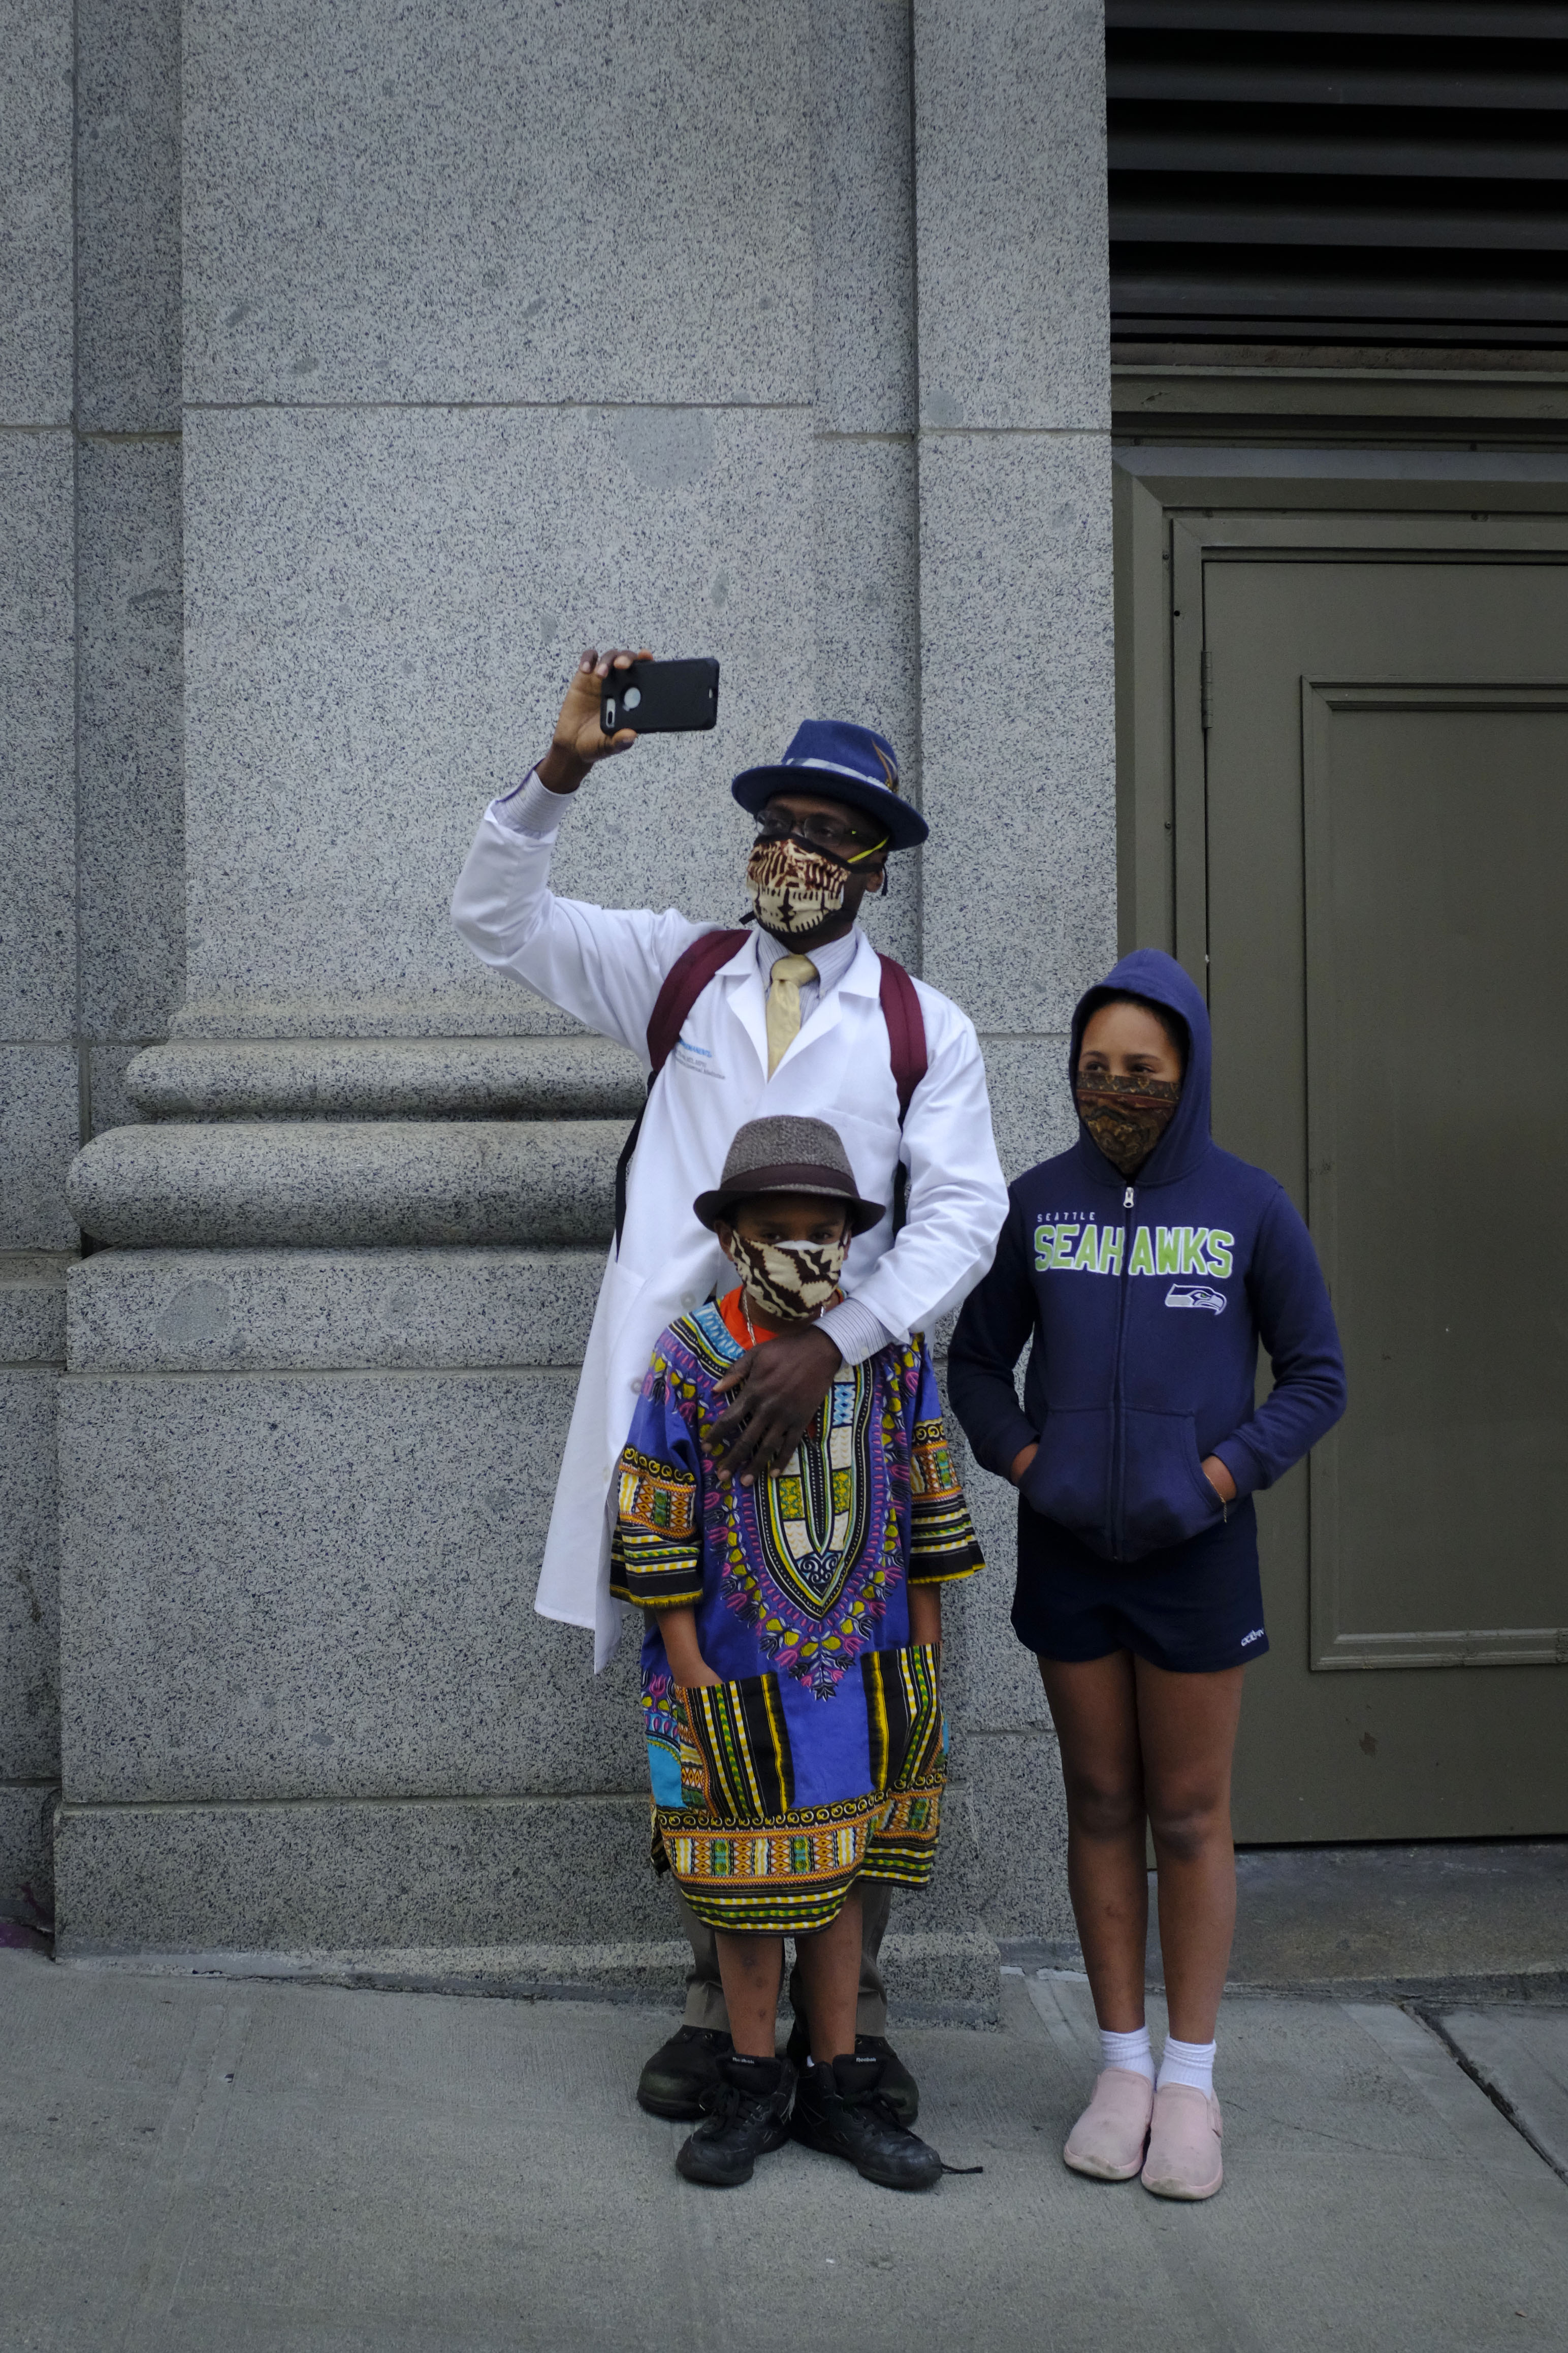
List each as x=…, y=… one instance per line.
x=1385, y=845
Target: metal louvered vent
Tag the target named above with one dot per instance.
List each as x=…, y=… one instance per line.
x=1319, y=172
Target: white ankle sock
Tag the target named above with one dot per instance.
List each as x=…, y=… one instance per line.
x=1129, y=2051
x=1186, y=2063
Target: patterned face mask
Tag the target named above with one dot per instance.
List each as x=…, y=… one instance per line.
x=793, y=888
x=1126, y=1117
x=791, y=1279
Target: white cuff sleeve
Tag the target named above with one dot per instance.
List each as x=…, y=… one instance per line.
x=854, y=1331
x=532, y=807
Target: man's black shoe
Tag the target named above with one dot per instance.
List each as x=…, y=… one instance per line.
x=844, y=2113
x=747, y=2114
x=680, y=2071
x=898, y=2086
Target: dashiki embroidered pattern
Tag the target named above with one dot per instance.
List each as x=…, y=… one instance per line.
x=820, y=1758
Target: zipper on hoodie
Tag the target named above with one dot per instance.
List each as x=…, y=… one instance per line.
x=1118, y=1451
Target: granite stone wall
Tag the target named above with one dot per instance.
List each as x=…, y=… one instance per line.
x=92, y=943
x=502, y=330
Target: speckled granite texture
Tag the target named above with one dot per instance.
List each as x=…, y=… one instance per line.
x=330, y=1311
x=130, y=782
x=35, y=40
x=32, y=1347
x=1013, y=236
x=33, y=1306
x=557, y=169
x=422, y=1871
x=314, y=1183
x=40, y=1126
x=128, y=215
x=38, y=944
x=1019, y=757
x=29, y=1578
x=383, y=609
x=351, y=1559
x=437, y=1078
x=26, y=1850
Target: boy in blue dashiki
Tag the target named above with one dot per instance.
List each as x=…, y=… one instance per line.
x=789, y=1670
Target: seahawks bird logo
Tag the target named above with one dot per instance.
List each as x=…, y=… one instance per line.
x=1196, y=1294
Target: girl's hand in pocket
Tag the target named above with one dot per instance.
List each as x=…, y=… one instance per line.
x=1218, y=1477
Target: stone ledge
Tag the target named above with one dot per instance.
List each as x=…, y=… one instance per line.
x=958, y=1985
x=319, y=1185
x=515, y=1896
x=495, y=1008
x=330, y=1311
x=648, y=1972
x=336, y=1876
x=445, y=1078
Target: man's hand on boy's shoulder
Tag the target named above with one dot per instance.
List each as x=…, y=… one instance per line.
x=772, y=1397
x=579, y=741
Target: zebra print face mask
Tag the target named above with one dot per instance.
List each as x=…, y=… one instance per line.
x=795, y=888
x=790, y=1280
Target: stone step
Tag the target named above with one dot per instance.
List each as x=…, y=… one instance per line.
x=323, y=1184
x=353, y=1078
x=181, y=1311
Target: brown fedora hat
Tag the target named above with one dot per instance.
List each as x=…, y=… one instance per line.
x=787, y=1156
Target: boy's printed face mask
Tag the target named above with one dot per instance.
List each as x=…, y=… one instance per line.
x=793, y=888
x=1126, y=1117
x=790, y=1280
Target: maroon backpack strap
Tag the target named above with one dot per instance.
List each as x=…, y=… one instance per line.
x=906, y=1052
x=906, y=1032
x=683, y=984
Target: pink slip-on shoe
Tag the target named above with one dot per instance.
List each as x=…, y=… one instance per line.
x=1108, y=2138
x=1183, y=2158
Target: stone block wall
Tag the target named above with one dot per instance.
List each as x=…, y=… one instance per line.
x=499, y=331
x=92, y=941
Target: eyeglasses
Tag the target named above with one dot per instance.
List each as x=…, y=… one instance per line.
x=821, y=832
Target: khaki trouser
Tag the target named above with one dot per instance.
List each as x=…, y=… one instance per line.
x=705, y=1994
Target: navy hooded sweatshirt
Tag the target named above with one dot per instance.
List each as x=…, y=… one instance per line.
x=1146, y=1299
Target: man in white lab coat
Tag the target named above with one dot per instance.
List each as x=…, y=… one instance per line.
x=793, y=1022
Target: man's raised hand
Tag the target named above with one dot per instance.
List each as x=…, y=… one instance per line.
x=579, y=739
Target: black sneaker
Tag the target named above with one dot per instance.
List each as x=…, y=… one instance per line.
x=680, y=2071
x=898, y=2086
x=844, y=2113
x=747, y=2115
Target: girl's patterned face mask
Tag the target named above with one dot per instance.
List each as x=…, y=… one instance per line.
x=1126, y=1117
x=791, y=1281
x=793, y=888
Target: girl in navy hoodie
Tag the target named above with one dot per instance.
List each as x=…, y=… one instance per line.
x=1146, y=1264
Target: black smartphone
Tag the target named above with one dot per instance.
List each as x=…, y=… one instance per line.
x=661, y=697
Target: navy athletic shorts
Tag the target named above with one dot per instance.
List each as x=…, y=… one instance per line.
x=1193, y=1608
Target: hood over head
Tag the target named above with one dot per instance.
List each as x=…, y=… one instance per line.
x=1149, y=972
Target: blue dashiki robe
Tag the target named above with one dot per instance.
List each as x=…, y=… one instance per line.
x=820, y=1758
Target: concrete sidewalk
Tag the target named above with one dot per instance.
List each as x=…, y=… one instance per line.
x=200, y=2166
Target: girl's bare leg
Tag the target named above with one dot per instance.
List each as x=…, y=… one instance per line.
x=1094, y=1704
x=1187, y=1729
x=830, y=1969
x=748, y=1969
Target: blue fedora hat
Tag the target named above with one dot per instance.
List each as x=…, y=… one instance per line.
x=841, y=762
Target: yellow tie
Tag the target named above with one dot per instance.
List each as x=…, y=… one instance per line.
x=783, y=1005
